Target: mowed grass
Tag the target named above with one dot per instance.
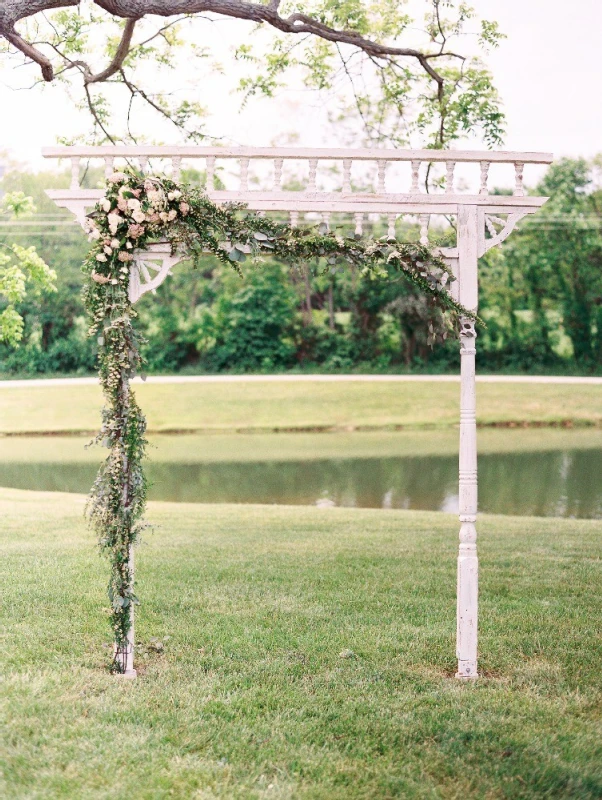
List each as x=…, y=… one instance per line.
x=310, y=655
x=281, y=406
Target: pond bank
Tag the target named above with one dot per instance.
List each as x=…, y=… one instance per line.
x=289, y=405
x=530, y=472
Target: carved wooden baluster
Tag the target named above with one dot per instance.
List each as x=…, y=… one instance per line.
x=294, y=218
x=359, y=223
x=347, y=175
x=326, y=219
x=449, y=176
x=143, y=162
x=414, y=188
x=210, y=168
x=392, y=218
x=74, y=173
x=518, y=175
x=313, y=169
x=278, y=162
x=382, y=183
x=244, y=174
x=109, y=169
x=468, y=565
x=176, y=168
x=484, y=177
x=424, y=228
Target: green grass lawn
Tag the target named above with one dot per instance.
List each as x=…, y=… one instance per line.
x=252, y=695
x=282, y=406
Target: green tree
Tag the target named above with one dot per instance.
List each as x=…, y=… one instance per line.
x=557, y=257
x=252, y=325
x=22, y=271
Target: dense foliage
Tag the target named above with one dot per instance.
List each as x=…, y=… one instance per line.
x=21, y=270
x=540, y=294
x=135, y=211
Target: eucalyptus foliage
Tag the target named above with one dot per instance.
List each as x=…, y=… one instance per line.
x=136, y=211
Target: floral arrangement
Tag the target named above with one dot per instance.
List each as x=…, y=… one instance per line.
x=135, y=211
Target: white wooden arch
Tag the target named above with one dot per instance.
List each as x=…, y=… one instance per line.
x=483, y=220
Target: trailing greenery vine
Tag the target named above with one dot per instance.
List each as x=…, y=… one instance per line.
x=136, y=211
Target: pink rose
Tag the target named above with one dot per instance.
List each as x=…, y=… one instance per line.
x=184, y=208
x=117, y=177
x=125, y=257
x=135, y=231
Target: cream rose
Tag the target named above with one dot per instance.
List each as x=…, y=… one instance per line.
x=114, y=221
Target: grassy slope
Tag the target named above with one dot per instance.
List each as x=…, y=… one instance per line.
x=251, y=699
x=268, y=406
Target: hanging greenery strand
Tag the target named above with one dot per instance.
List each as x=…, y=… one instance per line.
x=136, y=211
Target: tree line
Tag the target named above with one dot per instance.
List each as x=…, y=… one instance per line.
x=540, y=296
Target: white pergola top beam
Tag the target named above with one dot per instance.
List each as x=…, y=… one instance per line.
x=322, y=153
x=391, y=193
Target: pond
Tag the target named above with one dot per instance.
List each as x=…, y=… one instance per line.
x=525, y=472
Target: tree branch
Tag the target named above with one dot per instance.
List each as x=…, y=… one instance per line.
x=32, y=53
x=132, y=10
x=257, y=12
x=120, y=55
x=95, y=115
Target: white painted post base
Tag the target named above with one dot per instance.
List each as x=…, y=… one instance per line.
x=125, y=656
x=467, y=609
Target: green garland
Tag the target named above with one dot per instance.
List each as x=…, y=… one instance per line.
x=136, y=211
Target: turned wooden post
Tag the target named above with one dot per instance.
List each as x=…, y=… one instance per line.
x=468, y=563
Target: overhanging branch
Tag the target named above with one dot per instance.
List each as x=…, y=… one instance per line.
x=132, y=10
x=31, y=53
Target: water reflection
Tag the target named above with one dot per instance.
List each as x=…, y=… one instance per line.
x=564, y=483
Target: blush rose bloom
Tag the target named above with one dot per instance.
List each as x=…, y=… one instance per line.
x=117, y=177
x=135, y=231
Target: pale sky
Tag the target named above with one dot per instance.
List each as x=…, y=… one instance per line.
x=548, y=72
